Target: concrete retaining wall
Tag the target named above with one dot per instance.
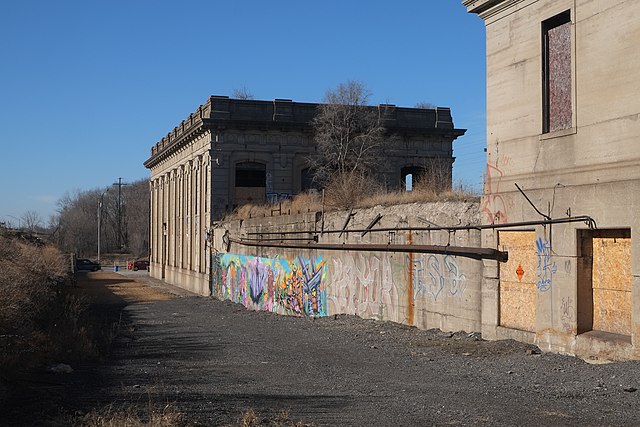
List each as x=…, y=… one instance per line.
x=421, y=289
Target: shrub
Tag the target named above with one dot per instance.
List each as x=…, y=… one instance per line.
x=31, y=282
x=348, y=190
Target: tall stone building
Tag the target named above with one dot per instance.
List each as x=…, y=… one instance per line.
x=231, y=152
x=563, y=123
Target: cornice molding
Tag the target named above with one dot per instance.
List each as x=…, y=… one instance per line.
x=488, y=8
x=220, y=113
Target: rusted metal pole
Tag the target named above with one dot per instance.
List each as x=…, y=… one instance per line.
x=586, y=219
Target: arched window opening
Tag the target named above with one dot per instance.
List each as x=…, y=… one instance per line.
x=410, y=176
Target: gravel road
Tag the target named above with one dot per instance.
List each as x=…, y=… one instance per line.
x=214, y=360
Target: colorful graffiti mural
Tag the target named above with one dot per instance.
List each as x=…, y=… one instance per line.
x=278, y=285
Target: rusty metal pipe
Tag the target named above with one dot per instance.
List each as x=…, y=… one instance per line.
x=584, y=218
x=469, y=252
x=276, y=239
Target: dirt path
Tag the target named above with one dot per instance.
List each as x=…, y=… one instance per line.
x=113, y=288
x=214, y=360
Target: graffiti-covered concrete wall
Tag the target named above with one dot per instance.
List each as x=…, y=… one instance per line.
x=427, y=290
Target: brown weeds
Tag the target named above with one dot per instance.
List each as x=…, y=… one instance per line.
x=167, y=416
x=30, y=281
x=250, y=418
x=39, y=321
x=345, y=193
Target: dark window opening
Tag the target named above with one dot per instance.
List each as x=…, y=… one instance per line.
x=250, y=174
x=556, y=73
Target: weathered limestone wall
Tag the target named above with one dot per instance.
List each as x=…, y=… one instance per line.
x=180, y=216
x=425, y=290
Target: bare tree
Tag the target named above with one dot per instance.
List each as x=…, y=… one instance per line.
x=241, y=93
x=137, y=219
x=349, y=135
x=435, y=176
x=76, y=223
x=426, y=105
x=31, y=221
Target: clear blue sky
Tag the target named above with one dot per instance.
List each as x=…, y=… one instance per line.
x=86, y=88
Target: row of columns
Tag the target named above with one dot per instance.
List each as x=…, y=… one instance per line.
x=180, y=216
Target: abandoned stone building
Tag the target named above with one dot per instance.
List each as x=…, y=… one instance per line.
x=230, y=152
x=563, y=110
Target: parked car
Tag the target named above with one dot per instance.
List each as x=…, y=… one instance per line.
x=83, y=264
x=141, y=264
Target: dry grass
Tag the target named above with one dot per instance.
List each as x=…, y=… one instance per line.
x=30, y=293
x=167, y=416
x=301, y=203
x=170, y=416
x=29, y=277
x=356, y=192
x=40, y=322
x=419, y=194
x=250, y=418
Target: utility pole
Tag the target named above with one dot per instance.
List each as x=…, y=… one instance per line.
x=119, y=207
x=99, y=217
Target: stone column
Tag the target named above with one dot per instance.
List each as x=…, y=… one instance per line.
x=188, y=213
x=157, y=220
x=152, y=221
x=196, y=213
x=180, y=221
x=206, y=224
x=161, y=221
x=172, y=220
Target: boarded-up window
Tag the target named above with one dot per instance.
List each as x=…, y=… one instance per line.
x=556, y=32
x=518, y=280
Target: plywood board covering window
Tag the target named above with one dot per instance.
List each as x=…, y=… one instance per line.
x=518, y=280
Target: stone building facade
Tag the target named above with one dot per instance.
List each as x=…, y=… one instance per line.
x=230, y=152
x=563, y=123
